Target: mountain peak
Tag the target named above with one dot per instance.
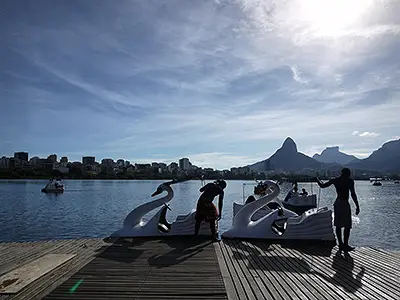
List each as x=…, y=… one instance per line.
x=289, y=145
x=333, y=155
x=332, y=149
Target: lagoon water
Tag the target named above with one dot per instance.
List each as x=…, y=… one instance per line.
x=96, y=208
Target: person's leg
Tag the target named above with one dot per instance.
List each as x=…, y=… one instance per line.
x=347, y=228
x=346, y=240
x=339, y=237
x=197, y=226
x=212, y=228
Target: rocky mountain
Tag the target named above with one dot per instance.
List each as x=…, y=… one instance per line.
x=385, y=159
x=286, y=158
x=333, y=155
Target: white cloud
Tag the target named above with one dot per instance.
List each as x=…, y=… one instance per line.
x=369, y=134
x=223, y=77
x=365, y=134
x=297, y=76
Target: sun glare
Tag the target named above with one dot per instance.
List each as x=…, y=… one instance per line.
x=332, y=17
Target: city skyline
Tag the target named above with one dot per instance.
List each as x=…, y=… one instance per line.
x=220, y=82
x=94, y=159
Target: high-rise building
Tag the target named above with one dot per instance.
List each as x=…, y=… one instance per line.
x=172, y=166
x=52, y=158
x=4, y=162
x=36, y=161
x=21, y=155
x=88, y=160
x=107, y=161
x=184, y=164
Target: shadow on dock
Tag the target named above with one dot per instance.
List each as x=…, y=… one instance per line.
x=343, y=265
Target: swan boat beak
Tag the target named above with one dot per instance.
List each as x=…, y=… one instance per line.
x=157, y=192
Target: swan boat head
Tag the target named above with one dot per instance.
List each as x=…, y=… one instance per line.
x=134, y=223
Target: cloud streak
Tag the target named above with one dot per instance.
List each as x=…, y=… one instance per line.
x=365, y=134
x=223, y=82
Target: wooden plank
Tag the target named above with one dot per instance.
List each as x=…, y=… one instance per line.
x=331, y=275
x=225, y=272
x=236, y=277
x=326, y=289
x=197, y=269
x=242, y=271
x=174, y=268
x=290, y=278
x=342, y=275
x=23, y=253
x=16, y=280
x=84, y=250
x=255, y=280
x=368, y=287
x=303, y=273
x=266, y=285
x=271, y=280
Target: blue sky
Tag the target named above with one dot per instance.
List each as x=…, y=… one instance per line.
x=221, y=82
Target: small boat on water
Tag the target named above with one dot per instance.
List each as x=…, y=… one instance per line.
x=53, y=186
x=377, y=183
x=294, y=201
x=396, y=182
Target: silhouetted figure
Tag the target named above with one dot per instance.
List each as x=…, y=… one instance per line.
x=303, y=192
x=342, y=217
x=206, y=210
x=295, y=188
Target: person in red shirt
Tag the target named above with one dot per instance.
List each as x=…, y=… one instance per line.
x=206, y=210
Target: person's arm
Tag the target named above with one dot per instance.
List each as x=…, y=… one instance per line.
x=354, y=197
x=324, y=185
x=220, y=203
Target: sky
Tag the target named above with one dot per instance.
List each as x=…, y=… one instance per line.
x=221, y=82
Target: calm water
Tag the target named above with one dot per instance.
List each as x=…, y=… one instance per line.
x=97, y=208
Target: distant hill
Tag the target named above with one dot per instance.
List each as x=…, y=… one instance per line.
x=385, y=159
x=286, y=158
x=333, y=155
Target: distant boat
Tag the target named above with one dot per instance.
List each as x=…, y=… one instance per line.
x=377, y=183
x=396, y=181
x=53, y=186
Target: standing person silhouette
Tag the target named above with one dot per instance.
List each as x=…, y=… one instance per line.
x=206, y=210
x=342, y=217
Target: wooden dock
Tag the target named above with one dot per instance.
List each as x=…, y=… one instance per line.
x=190, y=268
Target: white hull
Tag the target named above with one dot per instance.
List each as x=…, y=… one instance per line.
x=297, y=204
x=183, y=225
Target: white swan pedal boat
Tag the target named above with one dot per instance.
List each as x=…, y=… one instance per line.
x=53, y=186
x=276, y=222
x=135, y=226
